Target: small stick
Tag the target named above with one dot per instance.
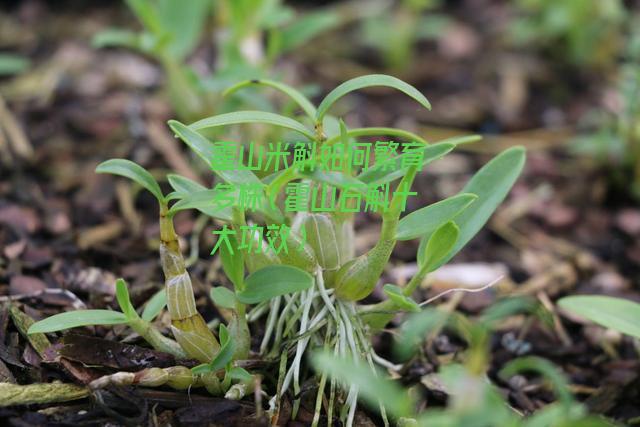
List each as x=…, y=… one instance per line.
x=468, y=290
x=18, y=139
x=15, y=394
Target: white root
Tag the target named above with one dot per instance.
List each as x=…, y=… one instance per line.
x=317, y=313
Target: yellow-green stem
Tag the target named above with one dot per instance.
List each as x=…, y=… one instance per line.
x=158, y=341
x=187, y=325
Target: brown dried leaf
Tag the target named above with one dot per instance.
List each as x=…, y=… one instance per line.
x=100, y=352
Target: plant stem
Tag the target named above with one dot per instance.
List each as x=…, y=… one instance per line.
x=158, y=341
x=188, y=326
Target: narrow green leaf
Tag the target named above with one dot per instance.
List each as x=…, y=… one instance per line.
x=204, y=149
x=122, y=295
x=233, y=263
x=543, y=367
x=76, y=318
x=369, y=81
x=336, y=179
x=491, y=184
x=402, y=301
x=415, y=328
x=202, y=201
x=461, y=140
x=426, y=220
x=227, y=348
x=239, y=374
x=184, y=25
x=510, y=306
x=380, y=131
x=134, y=172
x=615, y=313
x=223, y=297
x=272, y=281
x=307, y=26
x=372, y=387
x=115, y=37
x=293, y=93
x=154, y=306
x=12, y=64
x=184, y=185
x=439, y=245
x=146, y=14
x=391, y=169
x=239, y=117
x=224, y=356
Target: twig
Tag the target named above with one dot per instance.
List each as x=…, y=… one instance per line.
x=16, y=136
x=467, y=290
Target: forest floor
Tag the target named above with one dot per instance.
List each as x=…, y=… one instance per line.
x=66, y=233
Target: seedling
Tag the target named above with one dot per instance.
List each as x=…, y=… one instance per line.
x=473, y=400
x=414, y=21
x=572, y=33
x=311, y=292
x=194, y=339
x=128, y=315
x=328, y=314
x=612, y=138
x=172, y=29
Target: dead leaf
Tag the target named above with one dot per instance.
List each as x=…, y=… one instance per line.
x=25, y=285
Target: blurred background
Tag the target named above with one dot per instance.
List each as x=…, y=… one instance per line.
x=84, y=81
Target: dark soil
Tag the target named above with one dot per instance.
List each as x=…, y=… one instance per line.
x=67, y=233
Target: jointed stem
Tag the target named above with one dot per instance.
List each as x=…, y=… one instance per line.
x=188, y=326
x=158, y=341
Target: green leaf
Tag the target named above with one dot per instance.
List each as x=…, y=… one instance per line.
x=439, y=245
x=372, y=386
x=122, y=295
x=204, y=149
x=223, y=297
x=115, y=37
x=183, y=24
x=543, y=367
x=379, y=131
x=202, y=201
x=233, y=263
x=134, y=172
x=491, y=184
x=305, y=27
x=227, y=348
x=369, y=81
x=391, y=169
x=414, y=329
x=293, y=93
x=12, y=64
x=154, y=306
x=183, y=185
x=224, y=356
x=426, y=220
x=615, y=313
x=402, y=301
x=76, y=318
x=508, y=307
x=559, y=415
x=238, y=117
x=239, y=374
x=336, y=179
x=146, y=14
x=273, y=281
x=461, y=140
